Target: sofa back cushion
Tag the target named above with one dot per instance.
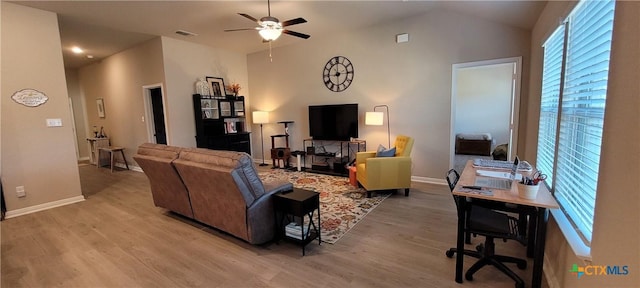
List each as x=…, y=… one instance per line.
x=167, y=188
x=403, y=145
x=221, y=184
x=240, y=167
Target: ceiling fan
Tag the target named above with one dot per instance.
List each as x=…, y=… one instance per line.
x=270, y=28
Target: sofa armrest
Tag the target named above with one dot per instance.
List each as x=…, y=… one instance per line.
x=387, y=164
x=361, y=157
x=276, y=186
x=388, y=172
x=260, y=221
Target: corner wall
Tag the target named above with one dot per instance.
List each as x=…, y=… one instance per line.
x=184, y=63
x=40, y=158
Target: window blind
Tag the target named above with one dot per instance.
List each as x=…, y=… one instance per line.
x=549, y=102
x=581, y=107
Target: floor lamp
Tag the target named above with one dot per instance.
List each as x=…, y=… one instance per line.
x=261, y=117
x=376, y=118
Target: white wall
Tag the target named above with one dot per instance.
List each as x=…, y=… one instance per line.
x=184, y=63
x=413, y=78
x=483, y=103
x=617, y=212
x=118, y=80
x=40, y=158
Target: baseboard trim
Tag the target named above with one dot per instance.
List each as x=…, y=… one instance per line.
x=428, y=180
x=131, y=167
x=552, y=280
x=45, y=206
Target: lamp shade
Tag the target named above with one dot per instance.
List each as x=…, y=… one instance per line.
x=260, y=117
x=373, y=118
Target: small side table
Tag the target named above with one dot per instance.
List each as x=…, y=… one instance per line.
x=297, y=203
x=111, y=150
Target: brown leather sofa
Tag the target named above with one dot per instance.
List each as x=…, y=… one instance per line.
x=223, y=189
x=167, y=188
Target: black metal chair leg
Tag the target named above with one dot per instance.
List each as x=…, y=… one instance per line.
x=522, y=264
x=500, y=266
x=470, y=253
x=475, y=267
x=406, y=192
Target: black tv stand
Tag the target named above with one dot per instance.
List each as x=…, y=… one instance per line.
x=331, y=163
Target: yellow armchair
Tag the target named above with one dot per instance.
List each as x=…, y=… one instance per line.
x=384, y=173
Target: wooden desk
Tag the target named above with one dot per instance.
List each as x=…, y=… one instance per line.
x=543, y=202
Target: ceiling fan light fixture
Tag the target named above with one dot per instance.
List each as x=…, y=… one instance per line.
x=270, y=34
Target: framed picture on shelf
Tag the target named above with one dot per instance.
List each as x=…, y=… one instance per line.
x=238, y=107
x=225, y=108
x=206, y=109
x=231, y=127
x=216, y=86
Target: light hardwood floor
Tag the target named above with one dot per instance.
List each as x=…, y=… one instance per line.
x=117, y=238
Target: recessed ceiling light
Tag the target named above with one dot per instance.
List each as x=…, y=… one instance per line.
x=77, y=50
x=90, y=56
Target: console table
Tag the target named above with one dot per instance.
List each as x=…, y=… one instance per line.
x=94, y=145
x=342, y=157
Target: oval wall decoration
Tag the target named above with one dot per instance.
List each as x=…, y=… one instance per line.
x=30, y=97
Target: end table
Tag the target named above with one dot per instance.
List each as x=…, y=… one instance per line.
x=297, y=203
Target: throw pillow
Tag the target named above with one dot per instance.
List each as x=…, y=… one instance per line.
x=384, y=152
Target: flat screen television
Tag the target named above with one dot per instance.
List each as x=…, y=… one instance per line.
x=333, y=122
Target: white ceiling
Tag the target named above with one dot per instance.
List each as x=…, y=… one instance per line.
x=103, y=28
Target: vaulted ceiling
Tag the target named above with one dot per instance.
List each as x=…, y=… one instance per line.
x=103, y=28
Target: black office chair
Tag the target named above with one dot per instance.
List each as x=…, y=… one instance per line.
x=490, y=224
x=525, y=215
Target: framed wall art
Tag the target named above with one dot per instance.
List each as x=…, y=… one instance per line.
x=100, y=104
x=216, y=86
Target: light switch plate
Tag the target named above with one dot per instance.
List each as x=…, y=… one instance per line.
x=56, y=122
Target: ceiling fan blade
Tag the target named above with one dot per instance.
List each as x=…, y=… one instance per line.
x=241, y=29
x=248, y=17
x=297, y=34
x=298, y=20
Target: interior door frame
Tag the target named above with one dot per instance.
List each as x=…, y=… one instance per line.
x=515, y=101
x=148, y=112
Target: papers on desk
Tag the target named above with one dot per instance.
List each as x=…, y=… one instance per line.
x=497, y=174
x=485, y=192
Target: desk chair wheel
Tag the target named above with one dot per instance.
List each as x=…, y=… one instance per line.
x=449, y=253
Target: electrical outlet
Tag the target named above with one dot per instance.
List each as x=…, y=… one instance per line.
x=20, y=192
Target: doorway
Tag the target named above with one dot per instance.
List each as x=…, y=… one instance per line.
x=484, y=100
x=155, y=114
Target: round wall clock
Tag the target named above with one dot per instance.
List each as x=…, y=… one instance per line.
x=337, y=74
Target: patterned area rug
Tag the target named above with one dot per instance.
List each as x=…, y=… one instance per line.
x=342, y=206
